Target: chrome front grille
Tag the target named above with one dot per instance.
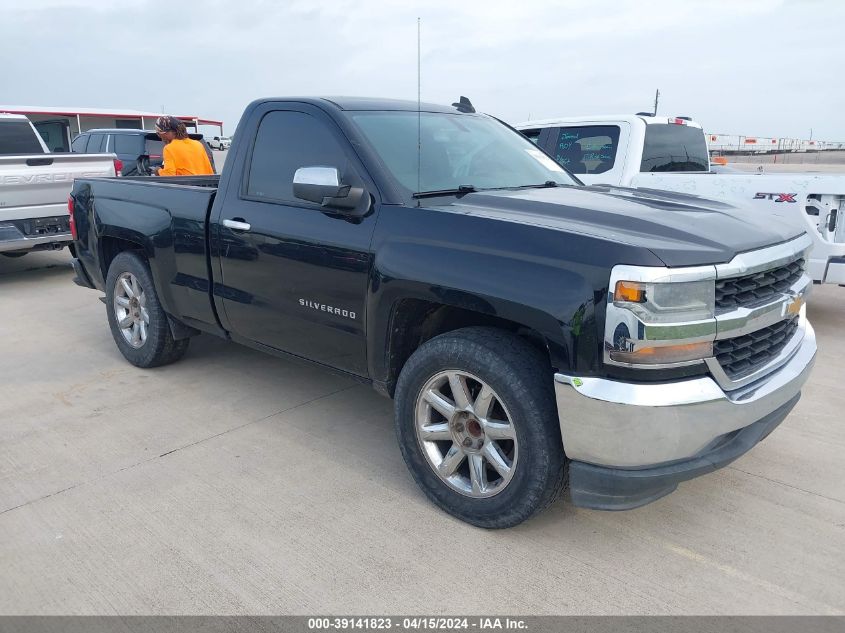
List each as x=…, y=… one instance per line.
x=752, y=289
x=742, y=355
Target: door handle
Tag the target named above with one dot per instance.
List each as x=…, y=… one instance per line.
x=237, y=225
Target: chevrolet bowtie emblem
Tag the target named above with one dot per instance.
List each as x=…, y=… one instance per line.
x=794, y=307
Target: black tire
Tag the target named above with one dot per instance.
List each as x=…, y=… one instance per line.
x=522, y=380
x=159, y=348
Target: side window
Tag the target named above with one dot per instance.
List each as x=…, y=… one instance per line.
x=79, y=143
x=588, y=149
x=153, y=147
x=532, y=135
x=285, y=142
x=97, y=143
x=126, y=144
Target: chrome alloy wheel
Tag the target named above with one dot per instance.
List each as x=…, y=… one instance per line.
x=130, y=309
x=466, y=434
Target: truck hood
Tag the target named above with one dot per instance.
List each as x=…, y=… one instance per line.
x=680, y=229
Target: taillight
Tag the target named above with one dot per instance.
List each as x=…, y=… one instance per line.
x=677, y=121
x=118, y=167
x=71, y=221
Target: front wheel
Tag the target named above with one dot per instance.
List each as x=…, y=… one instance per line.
x=138, y=323
x=477, y=426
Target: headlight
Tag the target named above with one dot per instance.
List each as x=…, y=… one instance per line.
x=667, y=302
x=659, y=323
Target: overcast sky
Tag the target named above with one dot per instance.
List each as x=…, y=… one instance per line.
x=755, y=67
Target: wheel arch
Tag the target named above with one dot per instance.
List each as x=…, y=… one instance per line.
x=111, y=245
x=414, y=321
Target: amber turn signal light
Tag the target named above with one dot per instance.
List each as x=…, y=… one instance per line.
x=665, y=354
x=629, y=291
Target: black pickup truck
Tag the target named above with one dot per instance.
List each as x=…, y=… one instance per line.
x=532, y=331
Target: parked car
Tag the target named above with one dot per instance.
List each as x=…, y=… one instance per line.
x=219, y=142
x=529, y=328
x=34, y=187
x=139, y=151
x=670, y=153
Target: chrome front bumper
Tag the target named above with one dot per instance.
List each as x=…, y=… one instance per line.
x=641, y=425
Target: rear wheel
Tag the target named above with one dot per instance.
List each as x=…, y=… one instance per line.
x=477, y=426
x=138, y=323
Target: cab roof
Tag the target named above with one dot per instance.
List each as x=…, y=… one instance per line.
x=365, y=104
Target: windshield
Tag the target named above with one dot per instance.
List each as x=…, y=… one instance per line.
x=457, y=151
x=674, y=148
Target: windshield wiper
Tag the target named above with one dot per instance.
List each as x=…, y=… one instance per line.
x=545, y=185
x=445, y=192
x=461, y=189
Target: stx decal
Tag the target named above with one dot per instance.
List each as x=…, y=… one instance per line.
x=777, y=197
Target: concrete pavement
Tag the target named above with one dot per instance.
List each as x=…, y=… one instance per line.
x=236, y=483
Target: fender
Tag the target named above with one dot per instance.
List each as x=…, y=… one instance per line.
x=151, y=232
x=511, y=281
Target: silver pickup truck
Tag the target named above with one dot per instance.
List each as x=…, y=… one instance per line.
x=34, y=187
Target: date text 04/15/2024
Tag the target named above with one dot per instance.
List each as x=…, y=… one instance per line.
x=419, y=623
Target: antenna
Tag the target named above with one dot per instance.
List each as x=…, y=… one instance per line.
x=656, y=98
x=464, y=105
x=419, y=114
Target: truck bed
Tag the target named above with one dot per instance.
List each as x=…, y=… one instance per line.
x=182, y=181
x=168, y=216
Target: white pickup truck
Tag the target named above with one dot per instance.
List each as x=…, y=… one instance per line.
x=670, y=153
x=34, y=187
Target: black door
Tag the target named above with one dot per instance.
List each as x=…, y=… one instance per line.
x=296, y=280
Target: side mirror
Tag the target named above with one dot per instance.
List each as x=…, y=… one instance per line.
x=324, y=186
x=319, y=184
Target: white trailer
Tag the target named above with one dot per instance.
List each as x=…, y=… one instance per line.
x=739, y=144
